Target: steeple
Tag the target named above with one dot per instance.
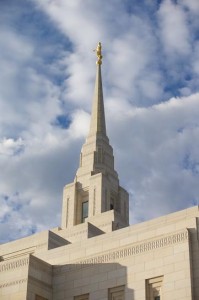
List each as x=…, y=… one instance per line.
x=98, y=124
x=97, y=155
x=95, y=196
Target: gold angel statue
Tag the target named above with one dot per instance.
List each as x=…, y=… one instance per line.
x=98, y=51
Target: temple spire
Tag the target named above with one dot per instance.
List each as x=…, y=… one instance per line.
x=98, y=124
x=96, y=188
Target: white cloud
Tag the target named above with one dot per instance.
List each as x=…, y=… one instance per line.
x=157, y=157
x=174, y=28
x=129, y=46
x=193, y=5
x=10, y=146
x=80, y=124
x=26, y=96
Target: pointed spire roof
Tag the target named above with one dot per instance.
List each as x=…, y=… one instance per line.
x=97, y=154
x=98, y=124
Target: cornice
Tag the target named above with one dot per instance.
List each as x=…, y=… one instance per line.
x=130, y=250
x=6, y=266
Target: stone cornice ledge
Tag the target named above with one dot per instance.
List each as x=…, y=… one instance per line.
x=6, y=266
x=130, y=250
x=7, y=284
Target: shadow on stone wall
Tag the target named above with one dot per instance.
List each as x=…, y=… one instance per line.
x=97, y=280
x=194, y=258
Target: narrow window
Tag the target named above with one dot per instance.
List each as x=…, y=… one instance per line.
x=153, y=288
x=116, y=293
x=112, y=203
x=82, y=297
x=37, y=297
x=84, y=211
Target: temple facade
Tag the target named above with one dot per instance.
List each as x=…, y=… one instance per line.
x=95, y=254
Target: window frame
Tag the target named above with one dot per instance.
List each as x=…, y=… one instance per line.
x=118, y=291
x=82, y=297
x=154, y=288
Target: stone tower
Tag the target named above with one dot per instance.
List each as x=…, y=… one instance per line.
x=95, y=196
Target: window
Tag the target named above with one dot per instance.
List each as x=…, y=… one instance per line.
x=153, y=288
x=82, y=297
x=37, y=297
x=112, y=203
x=116, y=293
x=84, y=211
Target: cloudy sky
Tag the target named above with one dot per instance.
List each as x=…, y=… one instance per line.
x=151, y=94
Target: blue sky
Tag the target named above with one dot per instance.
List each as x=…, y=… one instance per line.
x=151, y=94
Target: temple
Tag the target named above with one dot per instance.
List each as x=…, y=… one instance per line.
x=95, y=254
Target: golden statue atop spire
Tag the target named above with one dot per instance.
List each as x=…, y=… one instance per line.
x=98, y=51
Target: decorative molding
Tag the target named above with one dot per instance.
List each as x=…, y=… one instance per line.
x=26, y=251
x=112, y=256
x=14, y=264
x=135, y=249
x=20, y=281
x=7, y=284
x=138, y=249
